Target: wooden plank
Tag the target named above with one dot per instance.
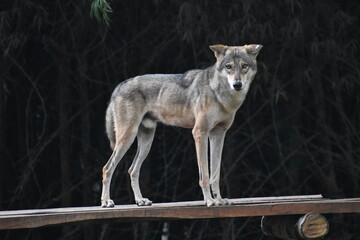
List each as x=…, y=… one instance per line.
x=166, y=205
x=175, y=211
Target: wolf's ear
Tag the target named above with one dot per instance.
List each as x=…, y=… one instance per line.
x=253, y=50
x=219, y=50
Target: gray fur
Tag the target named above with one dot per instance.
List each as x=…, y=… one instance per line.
x=205, y=100
x=109, y=125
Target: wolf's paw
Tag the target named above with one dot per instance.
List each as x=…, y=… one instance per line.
x=223, y=201
x=143, y=202
x=217, y=202
x=107, y=203
x=211, y=202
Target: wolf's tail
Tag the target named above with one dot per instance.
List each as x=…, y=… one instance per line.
x=109, y=124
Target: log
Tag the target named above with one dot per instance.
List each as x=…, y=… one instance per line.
x=245, y=207
x=291, y=227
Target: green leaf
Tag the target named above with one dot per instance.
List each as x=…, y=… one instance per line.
x=99, y=10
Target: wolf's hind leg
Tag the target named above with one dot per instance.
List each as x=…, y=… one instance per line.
x=145, y=137
x=123, y=142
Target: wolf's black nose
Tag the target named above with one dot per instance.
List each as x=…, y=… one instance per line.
x=237, y=86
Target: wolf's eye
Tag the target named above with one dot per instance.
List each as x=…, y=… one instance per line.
x=245, y=66
x=228, y=66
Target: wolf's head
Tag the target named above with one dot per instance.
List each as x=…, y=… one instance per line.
x=237, y=64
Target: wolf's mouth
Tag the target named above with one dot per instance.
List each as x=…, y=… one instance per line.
x=237, y=88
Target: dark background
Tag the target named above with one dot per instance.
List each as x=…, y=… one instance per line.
x=298, y=131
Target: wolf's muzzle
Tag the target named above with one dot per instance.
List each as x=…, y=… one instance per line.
x=237, y=86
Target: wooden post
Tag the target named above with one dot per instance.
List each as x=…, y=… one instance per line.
x=309, y=226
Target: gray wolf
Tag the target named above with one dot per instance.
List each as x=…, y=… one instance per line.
x=205, y=100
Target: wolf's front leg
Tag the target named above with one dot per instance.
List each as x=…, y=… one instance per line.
x=217, y=136
x=201, y=143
